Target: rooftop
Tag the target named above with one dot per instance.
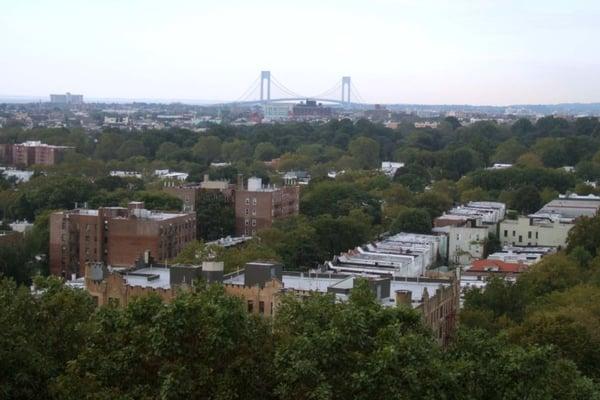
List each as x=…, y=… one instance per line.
x=154, y=277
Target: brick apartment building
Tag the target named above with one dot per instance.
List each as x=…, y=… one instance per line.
x=191, y=193
x=258, y=205
x=116, y=236
x=32, y=153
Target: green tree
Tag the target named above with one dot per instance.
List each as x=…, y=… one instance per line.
x=208, y=149
x=526, y=200
x=487, y=367
x=366, y=151
x=265, y=151
x=377, y=341
x=202, y=345
x=131, y=148
x=39, y=335
x=412, y=220
x=215, y=216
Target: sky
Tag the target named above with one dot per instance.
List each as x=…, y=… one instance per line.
x=483, y=52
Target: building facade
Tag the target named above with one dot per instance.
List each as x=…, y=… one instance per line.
x=535, y=231
x=258, y=205
x=32, y=153
x=190, y=194
x=116, y=236
x=66, y=98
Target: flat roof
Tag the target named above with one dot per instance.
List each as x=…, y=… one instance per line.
x=153, y=277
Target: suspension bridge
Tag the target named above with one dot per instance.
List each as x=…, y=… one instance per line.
x=268, y=89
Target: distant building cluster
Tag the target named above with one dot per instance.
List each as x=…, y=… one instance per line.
x=66, y=99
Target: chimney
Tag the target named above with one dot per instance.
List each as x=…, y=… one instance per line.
x=134, y=205
x=206, y=178
x=403, y=297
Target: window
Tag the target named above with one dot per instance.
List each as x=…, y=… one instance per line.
x=254, y=211
x=253, y=232
x=254, y=201
x=520, y=238
x=529, y=235
x=247, y=201
x=246, y=211
x=250, y=306
x=261, y=307
x=253, y=222
x=514, y=233
x=247, y=221
x=505, y=233
x=536, y=235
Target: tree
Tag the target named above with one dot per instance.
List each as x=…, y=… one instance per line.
x=377, y=341
x=529, y=160
x=487, y=367
x=208, y=148
x=202, y=345
x=39, y=335
x=526, y=200
x=366, y=152
x=337, y=199
x=265, y=151
x=433, y=202
x=167, y=151
x=412, y=220
x=585, y=234
x=454, y=122
x=108, y=143
x=509, y=151
x=158, y=200
x=131, y=148
x=570, y=321
x=215, y=216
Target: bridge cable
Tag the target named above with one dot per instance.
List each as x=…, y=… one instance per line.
x=248, y=91
x=331, y=91
x=357, y=93
x=282, y=87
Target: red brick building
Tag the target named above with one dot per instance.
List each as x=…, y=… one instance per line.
x=115, y=236
x=32, y=152
x=258, y=205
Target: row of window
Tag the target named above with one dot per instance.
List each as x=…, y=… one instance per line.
x=514, y=233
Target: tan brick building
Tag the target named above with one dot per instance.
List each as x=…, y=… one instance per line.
x=116, y=236
x=190, y=193
x=258, y=205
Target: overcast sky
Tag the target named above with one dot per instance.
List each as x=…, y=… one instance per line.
x=401, y=51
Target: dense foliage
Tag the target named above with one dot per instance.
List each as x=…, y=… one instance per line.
x=204, y=345
x=535, y=338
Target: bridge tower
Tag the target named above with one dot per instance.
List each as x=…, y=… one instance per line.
x=346, y=90
x=265, y=76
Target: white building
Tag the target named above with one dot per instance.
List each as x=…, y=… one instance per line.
x=465, y=244
x=277, y=111
x=390, y=167
x=167, y=174
x=126, y=174
x=18, y=175
x=499, y=166
x=535, y=230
